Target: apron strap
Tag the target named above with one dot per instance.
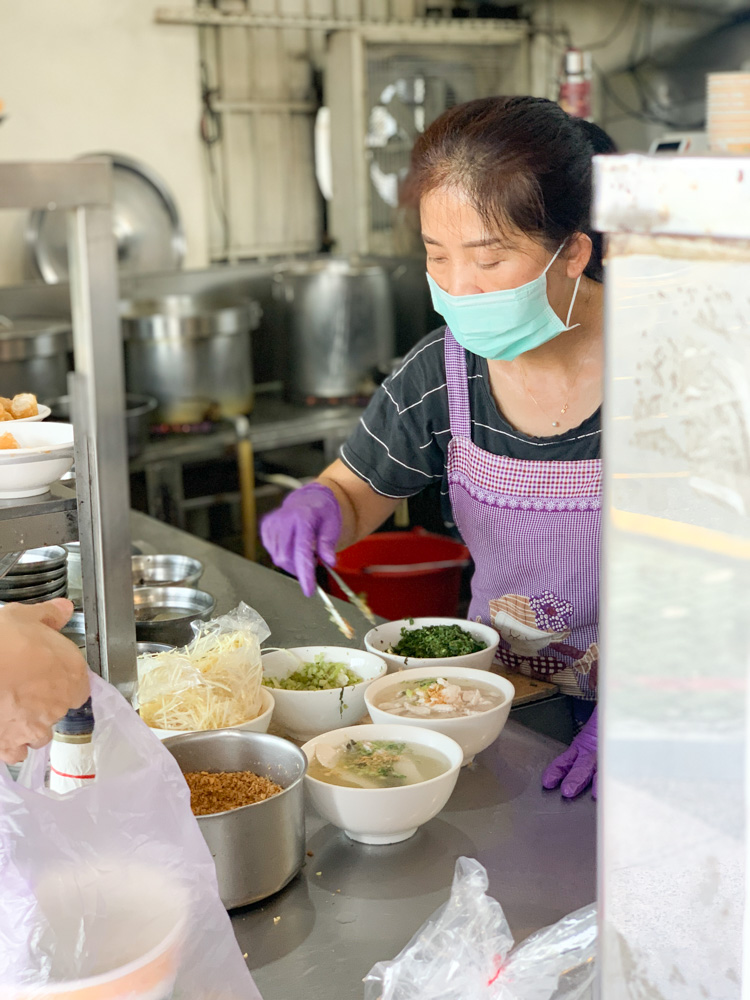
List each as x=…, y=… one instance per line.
x=458, y=387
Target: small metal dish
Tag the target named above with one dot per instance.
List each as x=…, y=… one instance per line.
x=34, y=579
x=166, y=571
x=56, y=588
x=166, y=614
x=43, y=559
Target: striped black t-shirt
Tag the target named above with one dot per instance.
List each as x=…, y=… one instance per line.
x=401, y=442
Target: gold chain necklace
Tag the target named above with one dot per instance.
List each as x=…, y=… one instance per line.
x=564, y=410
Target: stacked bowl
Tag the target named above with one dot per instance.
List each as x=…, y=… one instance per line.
x=39, y=575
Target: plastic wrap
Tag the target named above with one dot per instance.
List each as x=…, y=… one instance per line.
x=134, y=818
x=212, y=683
x=464, y=952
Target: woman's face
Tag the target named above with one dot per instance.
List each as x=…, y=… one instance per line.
x=463, y=258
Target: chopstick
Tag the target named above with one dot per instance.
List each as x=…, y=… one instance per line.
x=336, y=617
x=359, y=602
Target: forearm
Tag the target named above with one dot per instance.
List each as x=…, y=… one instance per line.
x=362, y=509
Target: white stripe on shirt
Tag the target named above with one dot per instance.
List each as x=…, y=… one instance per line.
x=434, y=435
x=411, y=468
x=361, y=475
x=531, y=441
x=408, y=361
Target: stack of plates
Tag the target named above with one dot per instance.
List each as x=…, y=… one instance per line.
x=39, y=575
x=728, y=112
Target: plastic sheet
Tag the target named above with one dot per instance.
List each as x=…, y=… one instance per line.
x=464, y=952
x=135, y=817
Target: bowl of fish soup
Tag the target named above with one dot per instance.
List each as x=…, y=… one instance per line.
x=473, y=716
x=423, y=765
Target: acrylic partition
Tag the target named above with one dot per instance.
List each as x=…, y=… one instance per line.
x=676, y=577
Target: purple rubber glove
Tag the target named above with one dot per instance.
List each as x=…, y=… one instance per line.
x=305, y=527
x=576, y=768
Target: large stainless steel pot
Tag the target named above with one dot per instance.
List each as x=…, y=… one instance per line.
x=339, y=324
x=260, y=847
x=192, y=354
x=34, y=356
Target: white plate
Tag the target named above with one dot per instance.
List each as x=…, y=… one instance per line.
x=44, y=412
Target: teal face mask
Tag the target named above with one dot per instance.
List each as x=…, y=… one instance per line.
x=501, y=325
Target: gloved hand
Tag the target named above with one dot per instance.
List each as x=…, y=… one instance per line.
x=576, y=768
x=306, y=526
x=42, y=675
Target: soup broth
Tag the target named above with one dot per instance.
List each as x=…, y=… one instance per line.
x=439, y=698
x=376, y=764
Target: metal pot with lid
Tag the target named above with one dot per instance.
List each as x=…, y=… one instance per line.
x=339, y=322
x=34, y=356
x=192, y=354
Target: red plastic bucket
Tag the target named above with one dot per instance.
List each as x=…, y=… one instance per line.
x=430, y=588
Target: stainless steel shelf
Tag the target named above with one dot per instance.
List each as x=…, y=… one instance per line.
x=50, y=519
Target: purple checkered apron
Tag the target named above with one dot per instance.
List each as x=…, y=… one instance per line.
x=533, y=532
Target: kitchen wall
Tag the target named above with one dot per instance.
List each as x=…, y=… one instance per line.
x=99, y=75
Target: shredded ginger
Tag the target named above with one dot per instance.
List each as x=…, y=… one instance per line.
x=212, y=683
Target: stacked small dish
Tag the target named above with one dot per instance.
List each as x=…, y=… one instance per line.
x=39, y=575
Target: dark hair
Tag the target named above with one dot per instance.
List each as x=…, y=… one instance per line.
x=523, y=162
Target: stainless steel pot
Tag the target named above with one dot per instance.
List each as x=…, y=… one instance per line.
x=260, y=847
x=34, y=356
x=339, y=323
x=138, y=410
x=192, y=354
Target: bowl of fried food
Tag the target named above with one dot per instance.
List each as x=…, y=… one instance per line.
x=23, y=408
x=32, y=457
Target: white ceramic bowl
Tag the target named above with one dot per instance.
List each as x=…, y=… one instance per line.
x=384, y=815
x=473, y=733
x=44, y=412
x=304, y=714
x=259, y=724
x=378, y=640
x=44, y=454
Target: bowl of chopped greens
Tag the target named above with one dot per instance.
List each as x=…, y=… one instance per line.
x=431, y=642
x=319, y=688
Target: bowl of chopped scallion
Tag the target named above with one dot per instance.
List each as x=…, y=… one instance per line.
x=319, y=688
x=430, y=642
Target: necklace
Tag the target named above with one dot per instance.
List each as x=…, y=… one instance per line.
x=564, y=410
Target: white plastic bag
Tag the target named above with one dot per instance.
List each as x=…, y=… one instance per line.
x=463, y=952
x=135, y=817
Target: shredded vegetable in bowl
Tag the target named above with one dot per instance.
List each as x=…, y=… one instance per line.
x=212, y=683
x=319, y=675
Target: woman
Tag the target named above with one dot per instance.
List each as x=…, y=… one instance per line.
x=502, y=406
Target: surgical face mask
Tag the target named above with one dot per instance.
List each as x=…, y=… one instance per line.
x=501, y=325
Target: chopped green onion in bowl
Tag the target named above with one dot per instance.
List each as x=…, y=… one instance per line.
x=319, y=675
x=433, y=641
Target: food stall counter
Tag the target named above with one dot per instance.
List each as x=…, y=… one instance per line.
x=354, y=904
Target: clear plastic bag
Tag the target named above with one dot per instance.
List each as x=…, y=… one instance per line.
x=84, y=848
x=212, y=683
x=463, y=952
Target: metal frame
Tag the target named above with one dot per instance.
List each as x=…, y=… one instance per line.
x=84, y=190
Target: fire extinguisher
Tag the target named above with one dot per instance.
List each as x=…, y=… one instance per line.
x=574, y=95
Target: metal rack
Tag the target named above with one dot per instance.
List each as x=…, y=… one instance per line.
x=97, y=513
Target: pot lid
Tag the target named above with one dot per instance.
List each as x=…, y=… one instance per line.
x=145, y=222
x=33, y=337
x=188, y=317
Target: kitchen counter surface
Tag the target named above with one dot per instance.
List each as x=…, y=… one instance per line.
x=353, y=905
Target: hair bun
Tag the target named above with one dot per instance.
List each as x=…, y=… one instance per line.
x=599, y=140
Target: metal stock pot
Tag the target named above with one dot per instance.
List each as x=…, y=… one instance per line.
x=34, y=356
x=339, y=323
x=192, y=354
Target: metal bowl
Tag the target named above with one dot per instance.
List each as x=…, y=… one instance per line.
x=144, y=648
x=260, y=847
x=44, y=559
x=55, y=588
x=166, y=571
x=166, y=614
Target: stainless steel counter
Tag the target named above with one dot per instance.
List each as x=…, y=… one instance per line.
x=352, y=904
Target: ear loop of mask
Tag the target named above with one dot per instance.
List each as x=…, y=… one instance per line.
x=575, y=290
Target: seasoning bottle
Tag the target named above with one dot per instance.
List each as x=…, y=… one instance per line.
x=574, y=95
x=71, y=759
